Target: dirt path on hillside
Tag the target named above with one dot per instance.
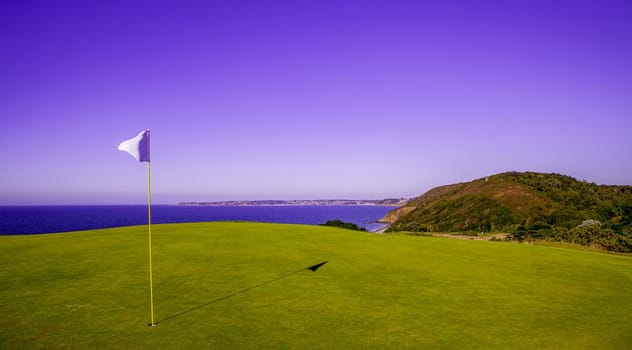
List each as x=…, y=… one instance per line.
x=500, y=236
x=488, y=237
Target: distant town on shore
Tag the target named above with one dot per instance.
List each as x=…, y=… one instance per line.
x=298, y=202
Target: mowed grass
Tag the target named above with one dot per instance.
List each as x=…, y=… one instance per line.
x=90, y=290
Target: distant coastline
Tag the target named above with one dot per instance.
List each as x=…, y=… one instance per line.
x=299, y=202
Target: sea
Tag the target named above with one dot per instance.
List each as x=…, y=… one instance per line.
x=16, y=220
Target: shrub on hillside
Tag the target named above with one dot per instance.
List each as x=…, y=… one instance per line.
x=592, y=235
x=342, y=224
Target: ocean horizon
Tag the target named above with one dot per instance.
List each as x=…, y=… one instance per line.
x=42, y=219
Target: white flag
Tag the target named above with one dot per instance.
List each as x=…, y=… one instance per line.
x=137, y=146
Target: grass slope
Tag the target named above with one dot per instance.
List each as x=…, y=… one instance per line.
x=89, y=290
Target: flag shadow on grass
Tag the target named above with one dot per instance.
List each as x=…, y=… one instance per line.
x=312, y=268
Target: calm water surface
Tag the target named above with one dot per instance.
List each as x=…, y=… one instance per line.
x=50, y=219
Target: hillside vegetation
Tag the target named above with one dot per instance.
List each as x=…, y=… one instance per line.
x=528, y=205
x=343, y=224
x=246, y=286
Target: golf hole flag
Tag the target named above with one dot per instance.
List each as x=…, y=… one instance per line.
x=137, y=146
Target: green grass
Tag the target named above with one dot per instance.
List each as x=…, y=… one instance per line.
x=90, y=290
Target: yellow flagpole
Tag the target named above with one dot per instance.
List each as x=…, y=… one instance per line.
x=151, y=287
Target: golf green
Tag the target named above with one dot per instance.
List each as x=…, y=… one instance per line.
x=247, y=286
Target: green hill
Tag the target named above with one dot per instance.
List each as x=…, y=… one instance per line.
x=529, y=205
x=236, y=286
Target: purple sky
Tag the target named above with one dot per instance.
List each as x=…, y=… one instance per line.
x=308, y=99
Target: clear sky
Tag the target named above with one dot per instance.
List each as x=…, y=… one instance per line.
x=308, y=99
